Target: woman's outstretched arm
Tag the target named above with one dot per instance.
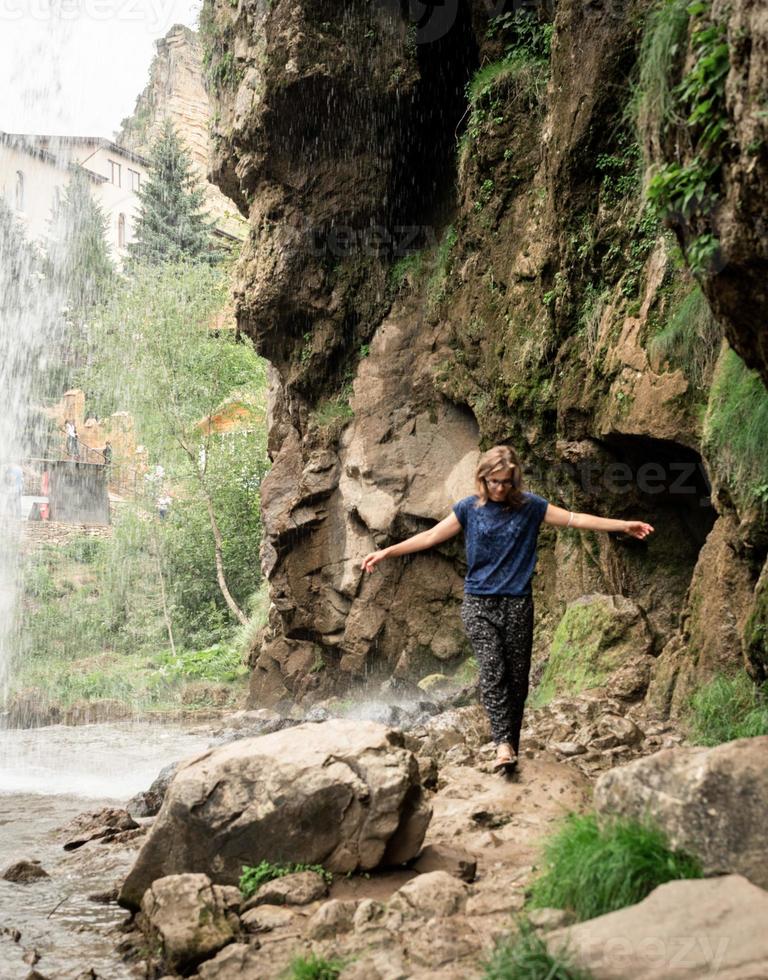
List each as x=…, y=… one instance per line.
x=590, y=522
x=419, y=542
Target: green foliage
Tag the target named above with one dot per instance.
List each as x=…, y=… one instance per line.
x=314, y=967
x=661, y=53
x=736, y=427
x=93, y=625
x=727, y=708
x=334, y=410
x=181, y=375
x=408, y=267
x=524, y=956
x=253, y=878
x=523, y=33
x=690, y=338
x=591, y=869
x=620, y=170
x=219, y=663
x=436, y=284
x=521, y=73
x=171, y=225
x=78, y=258
x=689, y=191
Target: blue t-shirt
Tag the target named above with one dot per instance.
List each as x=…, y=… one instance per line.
x=501, y=544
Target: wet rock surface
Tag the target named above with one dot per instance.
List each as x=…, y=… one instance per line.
x=343, y=794
x=23, y=872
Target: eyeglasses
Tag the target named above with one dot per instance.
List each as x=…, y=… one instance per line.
x=499, y=483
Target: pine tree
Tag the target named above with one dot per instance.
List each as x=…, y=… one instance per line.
x=79, y=261
x=171, y=224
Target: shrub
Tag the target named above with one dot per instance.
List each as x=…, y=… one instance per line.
x=591, y=869
x=314, y=967
x=253, y=878
x=524, y=956
x=727, y=708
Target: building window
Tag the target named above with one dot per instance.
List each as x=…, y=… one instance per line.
x=114, y=173
x=19, y=191
x=135, y=179
x=121, y=230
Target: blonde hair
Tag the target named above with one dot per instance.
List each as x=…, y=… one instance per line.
x=499, y=458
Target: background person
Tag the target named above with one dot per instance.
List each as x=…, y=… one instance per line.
x=501, y=523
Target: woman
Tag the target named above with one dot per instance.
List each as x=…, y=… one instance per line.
x=501, y=526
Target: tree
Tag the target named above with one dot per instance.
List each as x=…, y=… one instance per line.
x=78, y=254
x=180, y=376
x=171, y=225
x=80, y=273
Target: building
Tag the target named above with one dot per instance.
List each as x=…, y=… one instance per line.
x=34, y=171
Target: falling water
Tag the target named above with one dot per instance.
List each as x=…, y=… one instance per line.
x=30, y=328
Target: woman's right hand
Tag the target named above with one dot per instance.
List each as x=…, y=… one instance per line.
x=370, y=561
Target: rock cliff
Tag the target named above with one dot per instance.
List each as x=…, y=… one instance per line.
x=450, y=246
x=175, y=89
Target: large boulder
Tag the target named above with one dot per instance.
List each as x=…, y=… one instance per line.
x=344, y=794
x=684, y=930
x=710, y=802
x=602, y=640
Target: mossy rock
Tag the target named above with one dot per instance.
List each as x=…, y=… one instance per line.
x=597, y=636
x=756, y=631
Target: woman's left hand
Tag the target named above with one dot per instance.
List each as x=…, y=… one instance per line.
x=638, y=529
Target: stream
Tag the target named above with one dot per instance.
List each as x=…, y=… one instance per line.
x=47, y=777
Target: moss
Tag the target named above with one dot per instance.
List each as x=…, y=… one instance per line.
x=689, y=338
x=736, y=429
x=584, y=650
x=756, y=635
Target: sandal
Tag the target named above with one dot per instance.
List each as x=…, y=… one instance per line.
x=506, y=760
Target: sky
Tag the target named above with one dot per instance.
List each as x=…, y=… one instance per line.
x=76, y=67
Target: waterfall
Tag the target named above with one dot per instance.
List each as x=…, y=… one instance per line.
x=30, y=329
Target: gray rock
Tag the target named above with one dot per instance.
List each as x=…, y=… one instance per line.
x=440, y=857
x=102, y=825
x=684, y=930
x=332, y=918
x=569, y=749
x=23, y=872
x=190, y=917
x=344, y=794
x=300, y=888
x=624, y=731
x=710, y=802
x=369, y=915
x=436, y=893
x=238, y=961
x=265, y=918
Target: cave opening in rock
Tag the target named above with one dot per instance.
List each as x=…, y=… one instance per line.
x=662, y=482
x=665, y=478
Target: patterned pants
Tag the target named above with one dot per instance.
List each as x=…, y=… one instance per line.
x=500, y=629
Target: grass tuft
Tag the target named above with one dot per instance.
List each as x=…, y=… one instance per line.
x=690, y=339
x=524, y=956
x=727, y=708
x=736, y=429
x=314, y=967
x=660, y=64
x=591, y=869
